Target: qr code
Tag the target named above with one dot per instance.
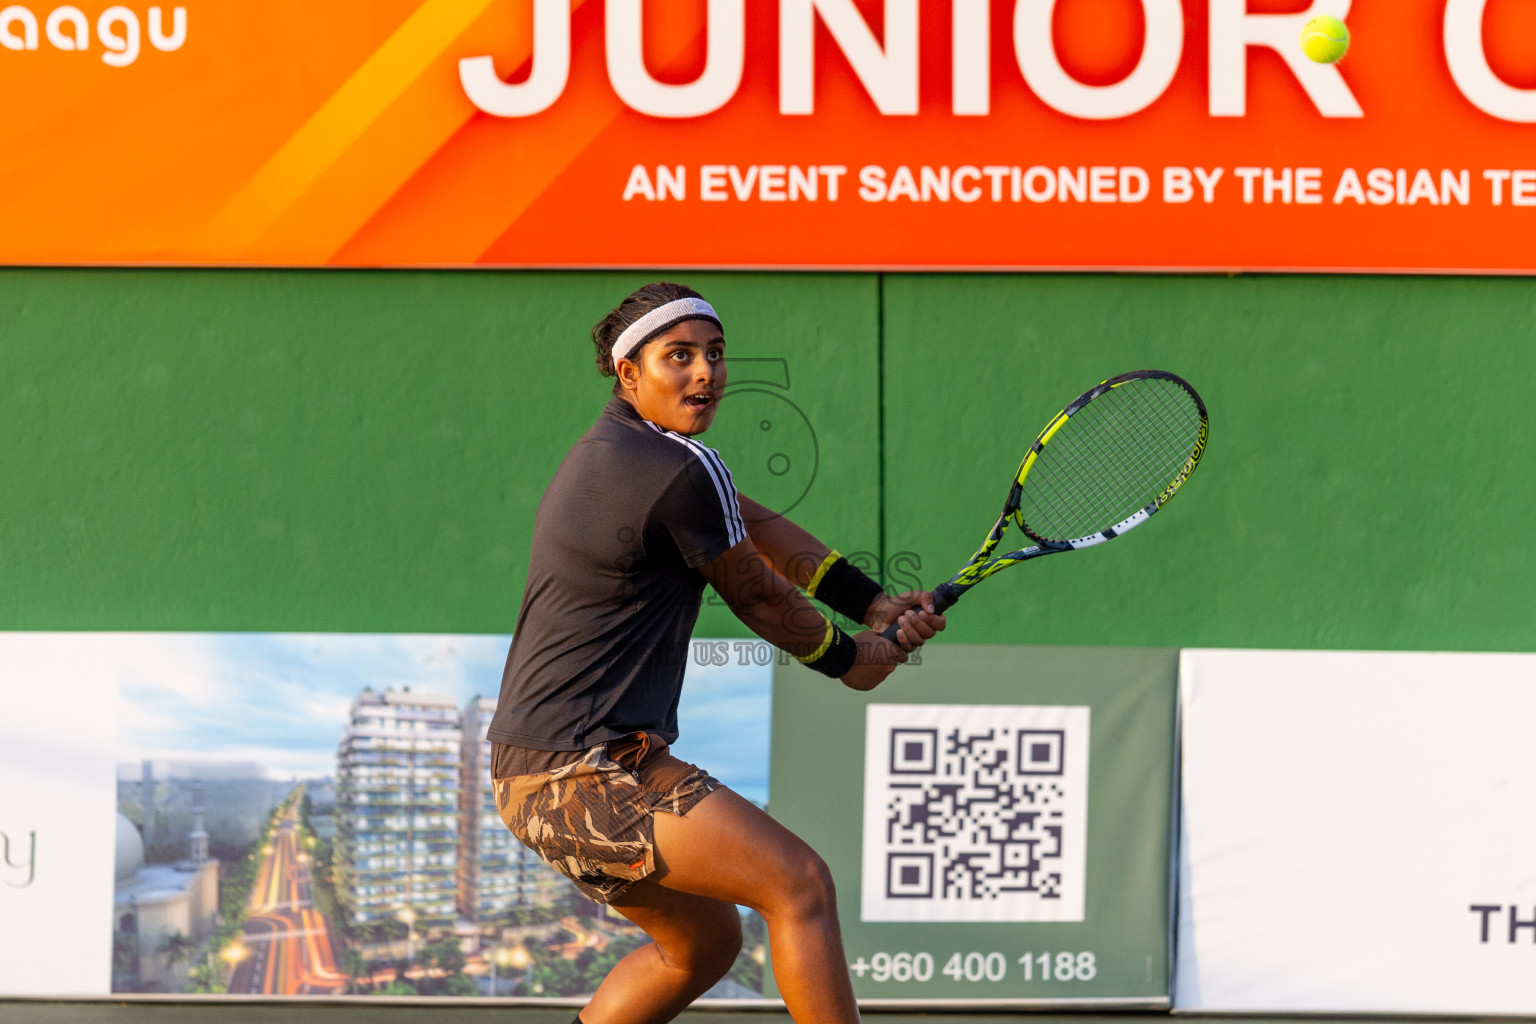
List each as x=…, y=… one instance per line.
x=974, y=812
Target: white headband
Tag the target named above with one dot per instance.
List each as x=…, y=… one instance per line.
x=658, y=320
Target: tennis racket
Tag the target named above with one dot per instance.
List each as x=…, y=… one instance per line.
x=1103, y=466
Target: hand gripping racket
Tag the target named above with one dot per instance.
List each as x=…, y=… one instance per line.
x=1102, y=467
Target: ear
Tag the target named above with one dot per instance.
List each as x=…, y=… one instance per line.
x=628, y=372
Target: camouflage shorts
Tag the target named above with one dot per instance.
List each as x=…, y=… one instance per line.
x=591, y=819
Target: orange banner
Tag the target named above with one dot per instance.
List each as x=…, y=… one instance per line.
x=1030, y=134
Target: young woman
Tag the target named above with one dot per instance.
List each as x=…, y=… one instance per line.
x=639, y=517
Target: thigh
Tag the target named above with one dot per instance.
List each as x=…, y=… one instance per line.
x=727, y=849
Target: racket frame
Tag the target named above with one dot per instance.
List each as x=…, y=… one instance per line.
x=981, y=564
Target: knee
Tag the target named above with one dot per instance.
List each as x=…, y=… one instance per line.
x=807, y=890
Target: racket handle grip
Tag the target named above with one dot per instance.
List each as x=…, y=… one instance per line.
x=944, y=596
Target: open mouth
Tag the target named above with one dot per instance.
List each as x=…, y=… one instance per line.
x=700, y=402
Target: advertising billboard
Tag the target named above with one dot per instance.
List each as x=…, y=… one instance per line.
x=998, y=821
x=268, y=815
x=1357, y=834
x=1033, y=134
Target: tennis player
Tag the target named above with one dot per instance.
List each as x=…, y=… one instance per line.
x=639, y=517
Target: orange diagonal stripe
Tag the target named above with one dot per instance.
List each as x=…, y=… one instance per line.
x=483, y=180
x=339, y=125
x=468, y=198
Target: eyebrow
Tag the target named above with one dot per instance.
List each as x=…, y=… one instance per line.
x=718, y=339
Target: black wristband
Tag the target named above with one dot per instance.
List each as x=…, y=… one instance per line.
x=846, y=590
x=839, y=656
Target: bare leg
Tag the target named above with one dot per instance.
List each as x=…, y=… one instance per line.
x=696, y=942
x=729, y=852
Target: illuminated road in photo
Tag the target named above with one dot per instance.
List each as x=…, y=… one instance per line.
x=289, y=943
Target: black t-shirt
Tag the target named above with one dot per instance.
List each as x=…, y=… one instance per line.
x=613, y=586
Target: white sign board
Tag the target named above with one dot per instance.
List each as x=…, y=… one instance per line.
x=1359, y=832
x=58, y=747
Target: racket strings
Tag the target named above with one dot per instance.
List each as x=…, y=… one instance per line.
x=1133, y=451
x=1063, y=503
x=1069, y=513
x=1145, y=447
x=1110, y=459
x=1086, y=509
x=1150, y=448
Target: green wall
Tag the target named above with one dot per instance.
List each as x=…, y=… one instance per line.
x=363, y=451
x=1366, y=483
x=243, y=450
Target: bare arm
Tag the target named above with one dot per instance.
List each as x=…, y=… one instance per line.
x=769, y=604
x=774, y=609
x=792, y=552
x=795, y=555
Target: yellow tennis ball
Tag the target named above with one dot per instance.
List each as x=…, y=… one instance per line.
x=1324, y=39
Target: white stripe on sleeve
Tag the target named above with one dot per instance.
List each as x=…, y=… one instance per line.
x=720, y=476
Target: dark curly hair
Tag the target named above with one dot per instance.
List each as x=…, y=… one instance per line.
x=639, y=302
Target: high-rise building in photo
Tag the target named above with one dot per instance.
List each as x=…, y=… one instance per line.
x=497, y=873
x=397, y=809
